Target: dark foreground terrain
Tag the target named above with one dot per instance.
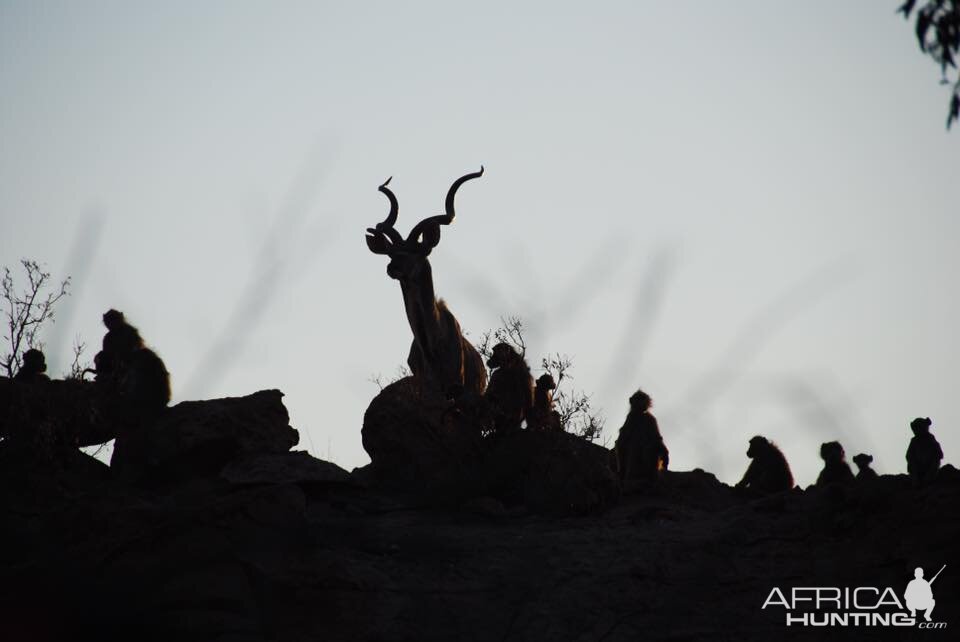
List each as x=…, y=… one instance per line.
x=281, y=546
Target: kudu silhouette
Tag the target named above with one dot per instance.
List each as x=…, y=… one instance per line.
x=440, y=357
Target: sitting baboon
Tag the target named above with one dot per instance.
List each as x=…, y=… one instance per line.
x=863, y=461
x=542, y=416
x=510, y=392
x=34, y=367
x=768, y=471
x=147, y=383
x=924, y=452
x=836, y=470
x=641, y=453
x=134, y=370
x=119, y=344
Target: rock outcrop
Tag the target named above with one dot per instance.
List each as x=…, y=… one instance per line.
x=690, y=559
x=199, y=438
x=418, y=442
x=551, y=473
x=53, y=413
x=266, y=544
x=429, y=446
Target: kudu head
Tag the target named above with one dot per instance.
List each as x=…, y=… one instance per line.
x=408, y=257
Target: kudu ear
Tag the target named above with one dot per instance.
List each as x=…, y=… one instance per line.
x=378, y=242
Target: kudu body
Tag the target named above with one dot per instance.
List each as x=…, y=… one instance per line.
x=440, y=356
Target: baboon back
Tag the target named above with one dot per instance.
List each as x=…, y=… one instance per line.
x=510, y=396
x=146, y=385
x=866, y=473
x=835, y=472
x=773, y=474
x=923, y=456
x=641, y=453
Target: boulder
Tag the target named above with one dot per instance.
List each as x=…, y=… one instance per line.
x=198, y=438
x=425, y=444
x=418, y=441
x=551, y=473
x=50, y=414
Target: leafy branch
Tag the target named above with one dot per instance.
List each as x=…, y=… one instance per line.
x=938, y=35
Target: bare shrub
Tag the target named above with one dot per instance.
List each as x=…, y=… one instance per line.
x=27, y=311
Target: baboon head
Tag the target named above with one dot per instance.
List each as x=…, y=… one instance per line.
x=921, y=425
x=758, y=445
x=546, y=382
x=641, y=401
x=113, y=319
x=121, y=337
x=408, y=256
x=832, y=452
x=503, y=355
x=34, y=361
x=862, y=460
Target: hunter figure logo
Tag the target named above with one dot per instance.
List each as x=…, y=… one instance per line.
x=860, y=606
x=919, y=595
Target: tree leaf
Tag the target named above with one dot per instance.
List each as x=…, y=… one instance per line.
x=906, y=8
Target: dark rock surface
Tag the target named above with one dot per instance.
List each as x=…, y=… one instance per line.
x=196, y=438
x=416, y=442
x=255, y=543
x=686, y=559
x=52, y=413
x=284, y=468
x=424, y=445
x=552, y=473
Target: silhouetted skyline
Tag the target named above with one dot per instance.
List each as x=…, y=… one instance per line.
x=762, y=222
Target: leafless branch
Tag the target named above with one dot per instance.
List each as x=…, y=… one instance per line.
x=378, y=379
x=574, y=407
x=78, y=367
x=576, y=413
x=27, y=311
x=510, y=331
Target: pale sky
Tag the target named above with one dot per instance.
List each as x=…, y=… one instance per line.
x=740, y=207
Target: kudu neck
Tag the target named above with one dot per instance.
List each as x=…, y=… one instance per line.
x=418, y=294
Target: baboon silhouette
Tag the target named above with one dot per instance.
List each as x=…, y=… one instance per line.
x=863, y=461
x=147, y=383
x=510, y=391
x=128, y=366
x=768, y=471
x=34, y=367
x=641, y=453
x=924, y=452
x=542, y=417
x=119, y=344
x=836, y=470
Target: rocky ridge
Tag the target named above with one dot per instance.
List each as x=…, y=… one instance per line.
x=214, y=529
